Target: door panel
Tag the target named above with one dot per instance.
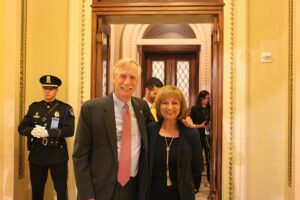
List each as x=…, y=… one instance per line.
x=174, y=69
x=216, y=112
x=100, y=62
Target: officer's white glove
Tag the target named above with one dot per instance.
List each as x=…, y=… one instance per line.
x=42, y=132
x=35, y=132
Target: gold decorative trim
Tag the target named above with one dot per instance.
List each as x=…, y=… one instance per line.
x=132, y=43
x=207, y=79
x=21, y=172
x=290, y=93
x=232, y=94
x=82, y=52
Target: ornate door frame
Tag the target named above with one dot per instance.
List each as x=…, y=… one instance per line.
x=205, y=8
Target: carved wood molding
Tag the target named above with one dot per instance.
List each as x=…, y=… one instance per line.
x=21, y=160
x=146, y=8
x=232, y=95
x=82, y=54
x=290, y=92
x=152, y=3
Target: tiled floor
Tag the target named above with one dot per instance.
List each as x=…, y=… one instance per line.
x=204, y=190
x=203, y=193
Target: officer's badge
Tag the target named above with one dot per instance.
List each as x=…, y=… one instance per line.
x=71, y=112
x=36, y=115
x=48, y=79
x=56, y=114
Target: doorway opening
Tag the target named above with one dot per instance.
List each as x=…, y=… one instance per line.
x=173, y=65
x=106, y=14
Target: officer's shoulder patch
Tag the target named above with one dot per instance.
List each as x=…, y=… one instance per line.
x=61, y=103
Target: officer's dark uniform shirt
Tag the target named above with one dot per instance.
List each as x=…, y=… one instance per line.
x=58, y=118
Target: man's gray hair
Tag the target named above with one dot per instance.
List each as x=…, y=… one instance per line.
x=123, y=62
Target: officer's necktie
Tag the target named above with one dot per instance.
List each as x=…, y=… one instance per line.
x=125, y=152
x=153, y=111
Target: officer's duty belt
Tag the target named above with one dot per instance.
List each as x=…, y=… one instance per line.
x=50, y=142
x=45, y=141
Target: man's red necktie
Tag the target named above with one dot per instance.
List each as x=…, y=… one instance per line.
x=125, y=152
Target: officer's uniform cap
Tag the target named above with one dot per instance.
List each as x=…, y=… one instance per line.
x=50, y=81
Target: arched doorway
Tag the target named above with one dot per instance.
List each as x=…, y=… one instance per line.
x=177, y=54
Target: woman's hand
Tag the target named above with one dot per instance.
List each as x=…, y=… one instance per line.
x=203, y=125
x=188, y=122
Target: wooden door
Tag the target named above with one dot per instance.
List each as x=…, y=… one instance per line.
x=173, y=65
x=216, y=112
x=174, y=69
x=101, y=58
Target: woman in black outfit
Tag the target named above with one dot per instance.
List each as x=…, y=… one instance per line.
x=175, y=157
x=200, y=114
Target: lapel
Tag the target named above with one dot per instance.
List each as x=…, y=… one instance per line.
x=110, y=124
x=153, y=139
x=141, y=122
x=179, y=147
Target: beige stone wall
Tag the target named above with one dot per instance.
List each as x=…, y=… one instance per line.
x=9, y=62
x=267, y=100
x=47, y=46
x=2, y=62
x=255, y=112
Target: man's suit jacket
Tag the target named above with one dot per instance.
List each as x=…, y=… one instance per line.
x=95, y=154
x=145, y=106
x=189, y=158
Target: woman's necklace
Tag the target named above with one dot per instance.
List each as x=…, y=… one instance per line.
x=168, y=147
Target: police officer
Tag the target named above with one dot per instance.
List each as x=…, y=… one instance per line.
x=46, y=125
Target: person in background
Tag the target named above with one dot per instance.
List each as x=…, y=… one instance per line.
x=200, y=114
x=174, y=149
x=151, y=89
x=111, y=146
x=46, y=125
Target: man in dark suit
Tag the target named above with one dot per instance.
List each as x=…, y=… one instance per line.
x=99, y=158
x=46, y=125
